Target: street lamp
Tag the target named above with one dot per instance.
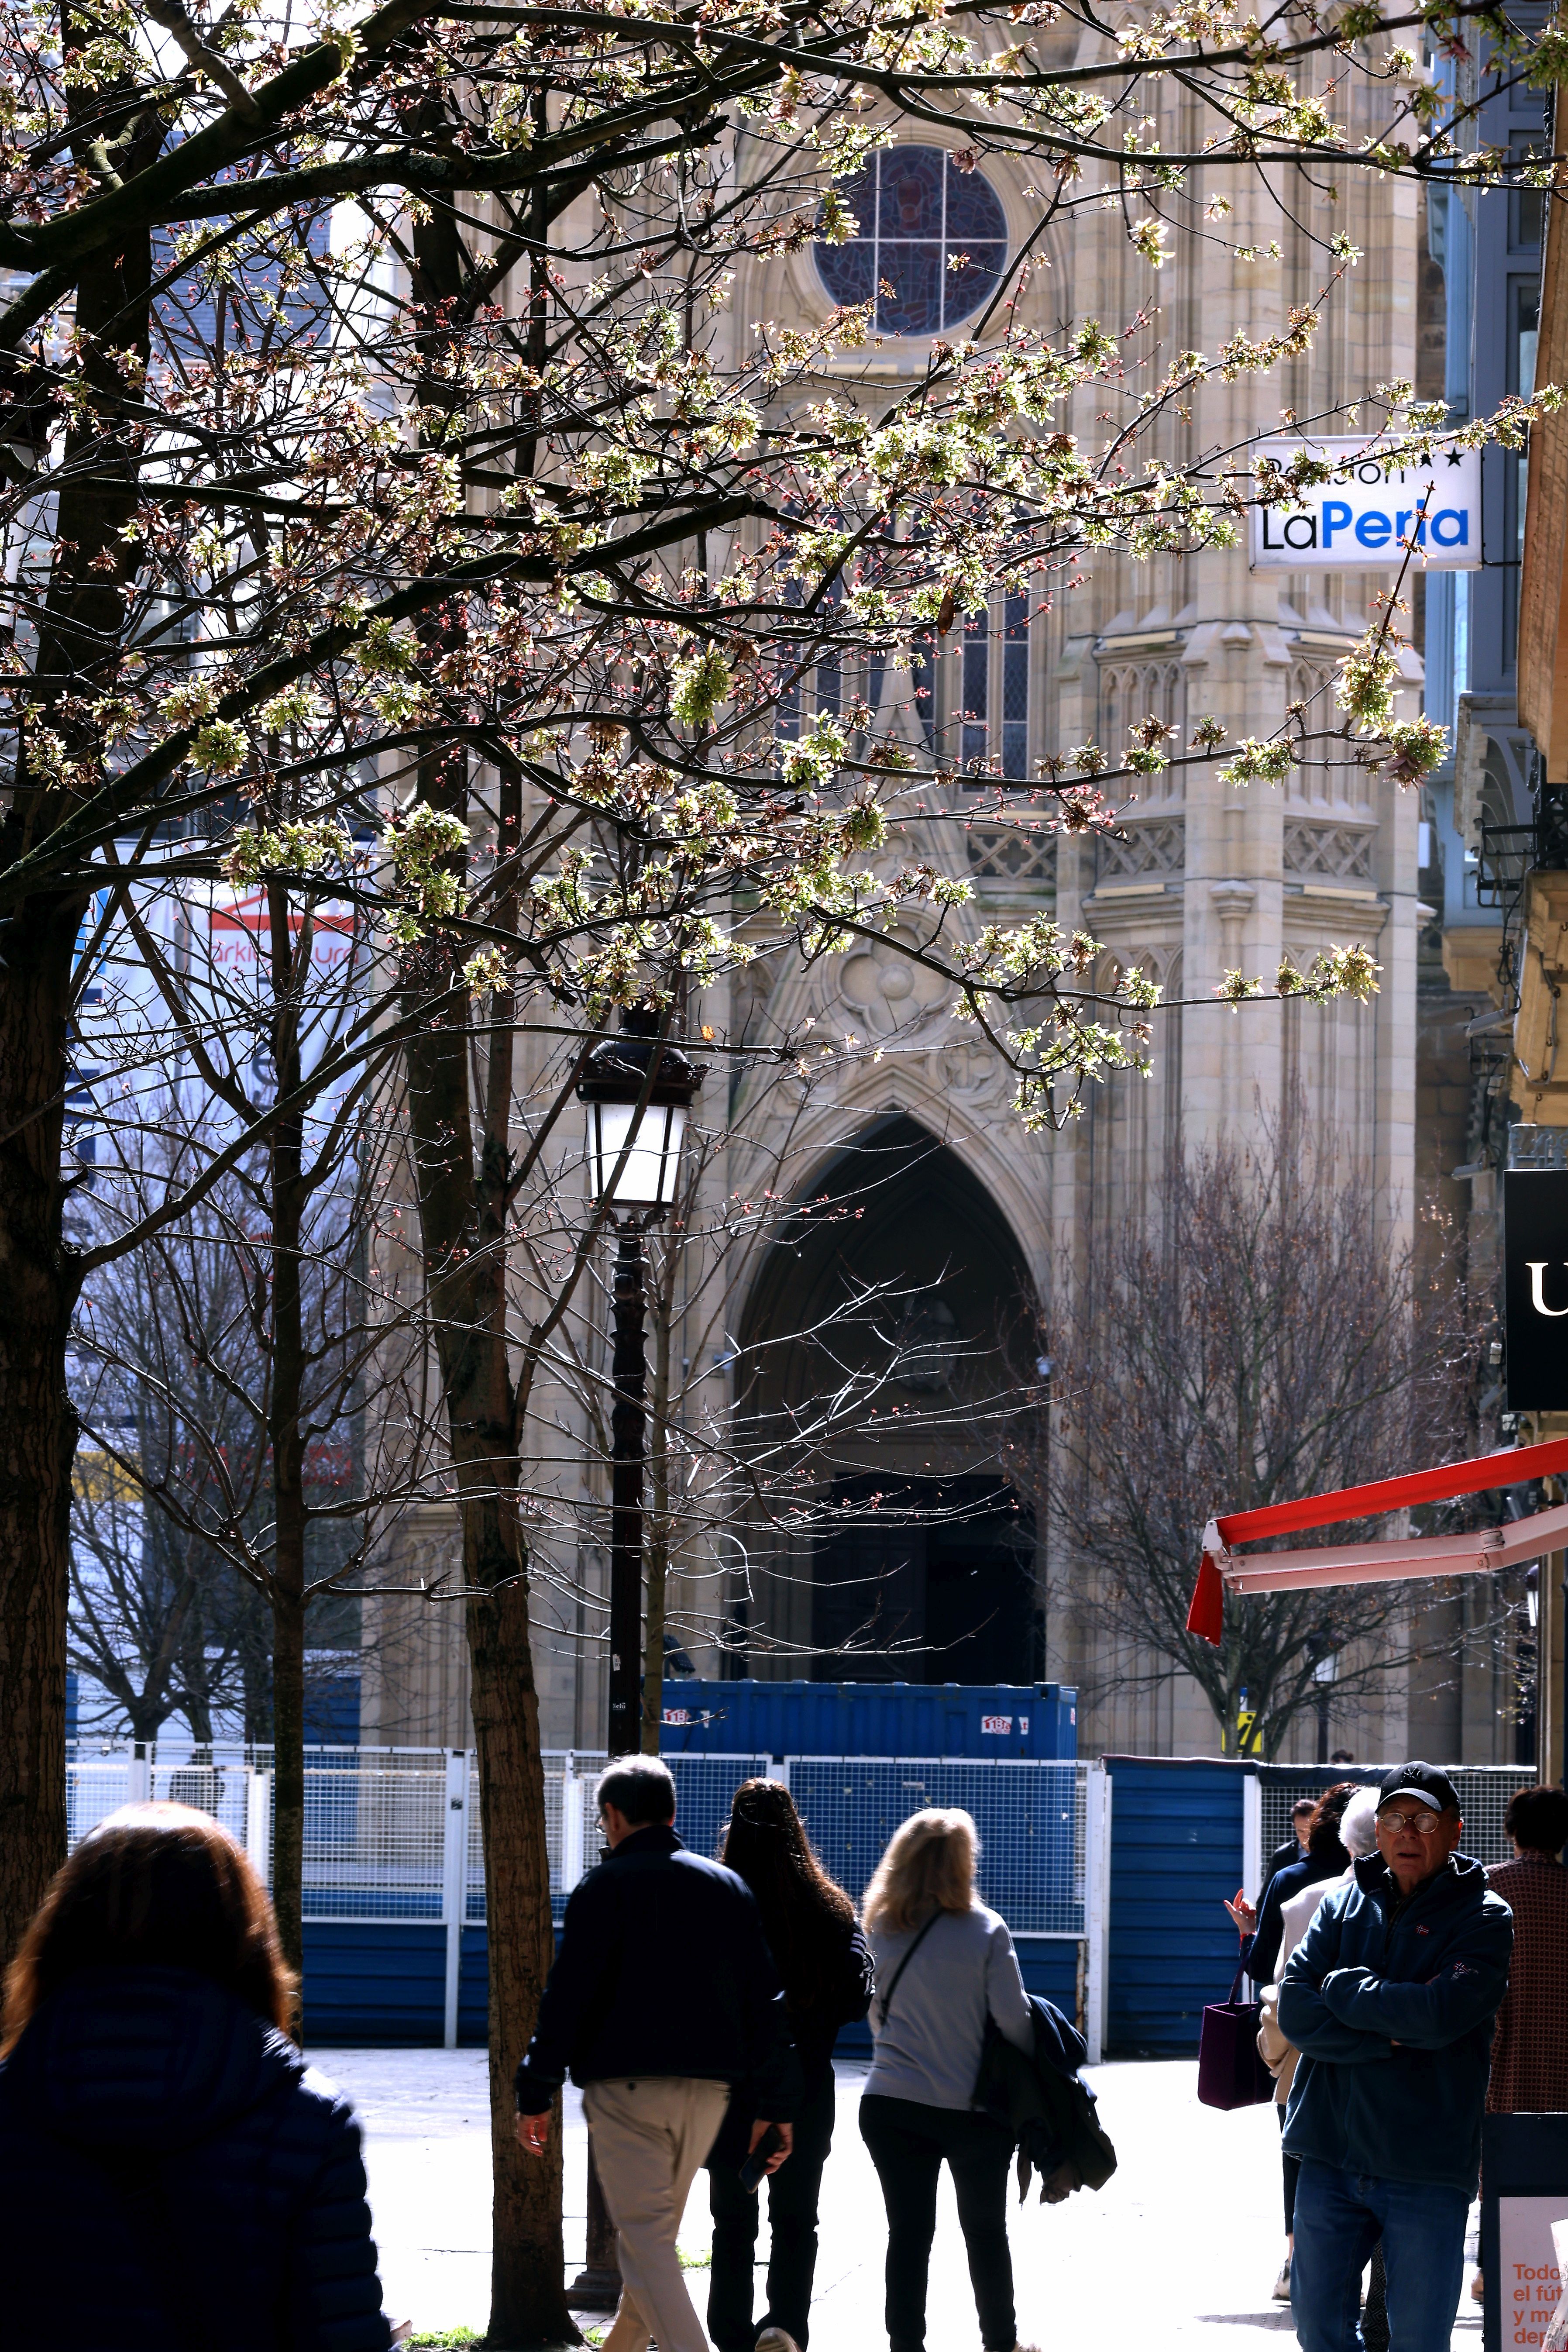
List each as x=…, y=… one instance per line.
x=636, y=1090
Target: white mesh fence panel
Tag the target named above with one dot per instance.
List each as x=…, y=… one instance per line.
x=218, y=1789
x=1031, y=1817
x=1484, y=1791
x=375, y=1818
x=95, y=1788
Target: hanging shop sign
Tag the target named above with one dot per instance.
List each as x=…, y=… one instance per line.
x=1536, y=1287
x=1368, y=511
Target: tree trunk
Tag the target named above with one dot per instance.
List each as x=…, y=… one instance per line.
x=37, y=1424
x=288, y=1778
x=287, y=1447
x=79, y=641
x=528, y=2302
x=462, y=1183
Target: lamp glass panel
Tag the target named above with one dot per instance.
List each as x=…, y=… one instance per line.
x=648, y=1177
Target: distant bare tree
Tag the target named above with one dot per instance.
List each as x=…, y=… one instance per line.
x=1255, y=1339
x=159, y=1621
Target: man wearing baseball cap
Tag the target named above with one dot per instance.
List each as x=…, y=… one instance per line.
x=1390, y=1998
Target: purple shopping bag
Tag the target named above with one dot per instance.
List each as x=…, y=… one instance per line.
x=1230, y=2070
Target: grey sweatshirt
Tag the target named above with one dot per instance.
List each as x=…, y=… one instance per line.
x=928, y=2046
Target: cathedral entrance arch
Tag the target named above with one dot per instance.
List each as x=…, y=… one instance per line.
x=903, y=1275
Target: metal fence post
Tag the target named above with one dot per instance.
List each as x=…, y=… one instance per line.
x=1096, y=1907
x=1252, y=1836
x=258, y=1823
x=778, y=1769
x=455, y=1881
x=139, y=1779
x=572, y=1793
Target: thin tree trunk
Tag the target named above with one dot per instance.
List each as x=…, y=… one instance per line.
x=287, y=1447
x=462, y=1179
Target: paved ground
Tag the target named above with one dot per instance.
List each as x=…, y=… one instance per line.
x=1184, y=2243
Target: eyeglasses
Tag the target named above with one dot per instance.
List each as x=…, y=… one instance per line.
x=1423, y=1823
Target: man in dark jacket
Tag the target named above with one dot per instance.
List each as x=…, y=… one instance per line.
x=1390, y=1998
x=663, y=1994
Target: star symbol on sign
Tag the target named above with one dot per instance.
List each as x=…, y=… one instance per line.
x=1453, y=457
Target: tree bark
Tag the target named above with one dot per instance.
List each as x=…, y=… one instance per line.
x=287, y=1447
x=37, y=1424
x=78, y=643
x=462, y=1179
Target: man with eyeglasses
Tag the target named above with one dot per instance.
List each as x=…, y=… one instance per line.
x=1390, y=1998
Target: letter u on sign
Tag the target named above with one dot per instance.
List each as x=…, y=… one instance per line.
x=1537, y=1266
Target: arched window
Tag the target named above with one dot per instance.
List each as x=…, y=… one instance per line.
x=930, y=245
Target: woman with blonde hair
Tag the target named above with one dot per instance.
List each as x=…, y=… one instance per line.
x=172, y=2177
x=944, y=1964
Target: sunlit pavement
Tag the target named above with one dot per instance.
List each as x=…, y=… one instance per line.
x=1181, y=2248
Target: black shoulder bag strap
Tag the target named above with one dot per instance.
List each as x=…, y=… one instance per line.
x=886, y=2001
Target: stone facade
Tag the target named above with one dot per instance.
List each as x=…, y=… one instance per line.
x=1205, y=878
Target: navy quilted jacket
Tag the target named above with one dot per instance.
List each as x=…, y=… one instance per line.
x=172, y=2178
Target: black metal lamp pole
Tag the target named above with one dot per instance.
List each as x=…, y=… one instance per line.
x=627, y=1071
x=627, y=1431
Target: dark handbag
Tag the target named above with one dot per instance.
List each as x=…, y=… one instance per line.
x=1231, y=2069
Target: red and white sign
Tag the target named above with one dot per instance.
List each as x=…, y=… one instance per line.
x=996, y=1723
x=238, y=927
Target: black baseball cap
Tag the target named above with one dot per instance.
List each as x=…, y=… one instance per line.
x=1422, y=1781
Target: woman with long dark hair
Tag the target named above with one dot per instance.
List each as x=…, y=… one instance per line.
x=171, y=2179
x=825, y=1968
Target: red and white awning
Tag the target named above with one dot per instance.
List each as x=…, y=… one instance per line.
x=1372, y=1563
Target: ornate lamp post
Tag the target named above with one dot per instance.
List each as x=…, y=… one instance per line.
x=636, y=1093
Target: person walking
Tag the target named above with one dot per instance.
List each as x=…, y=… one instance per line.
x=172, y=2176
x=663, y=1994
x=1390, y=1998
x=1259, y=1924
x=818, y=1948
x=1529, y=2048
x=945, y=1964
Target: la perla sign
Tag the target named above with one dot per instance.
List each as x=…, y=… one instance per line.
x=1536, y=1287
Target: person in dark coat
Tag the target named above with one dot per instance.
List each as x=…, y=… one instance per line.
x=1390, y=1998
x=172, y=2176
x=1293, y=1850
x=822, y=1958
x=663, y=1997
x=1260, y=1925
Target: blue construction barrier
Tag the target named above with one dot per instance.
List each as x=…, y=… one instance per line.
x=800, y=1718
x=370, y=1984
x=1176, y=1855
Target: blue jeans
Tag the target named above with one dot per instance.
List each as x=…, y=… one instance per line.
x=1340, y=2216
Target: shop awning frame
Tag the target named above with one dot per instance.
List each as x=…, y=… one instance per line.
x=1478, y=1551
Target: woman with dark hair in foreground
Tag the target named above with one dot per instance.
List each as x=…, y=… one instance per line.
x=825, y=1968
x=172, y=2177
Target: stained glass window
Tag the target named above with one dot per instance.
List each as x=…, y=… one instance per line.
x=931, y=246
x=993, y=690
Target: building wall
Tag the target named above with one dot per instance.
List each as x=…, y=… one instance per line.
x=1208, y=879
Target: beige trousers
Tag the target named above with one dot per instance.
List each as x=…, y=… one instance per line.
x=650, y=2138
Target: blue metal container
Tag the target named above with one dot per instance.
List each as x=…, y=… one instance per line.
x=969, y=1719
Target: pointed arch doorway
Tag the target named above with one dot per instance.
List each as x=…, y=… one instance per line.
x=920, y=1564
